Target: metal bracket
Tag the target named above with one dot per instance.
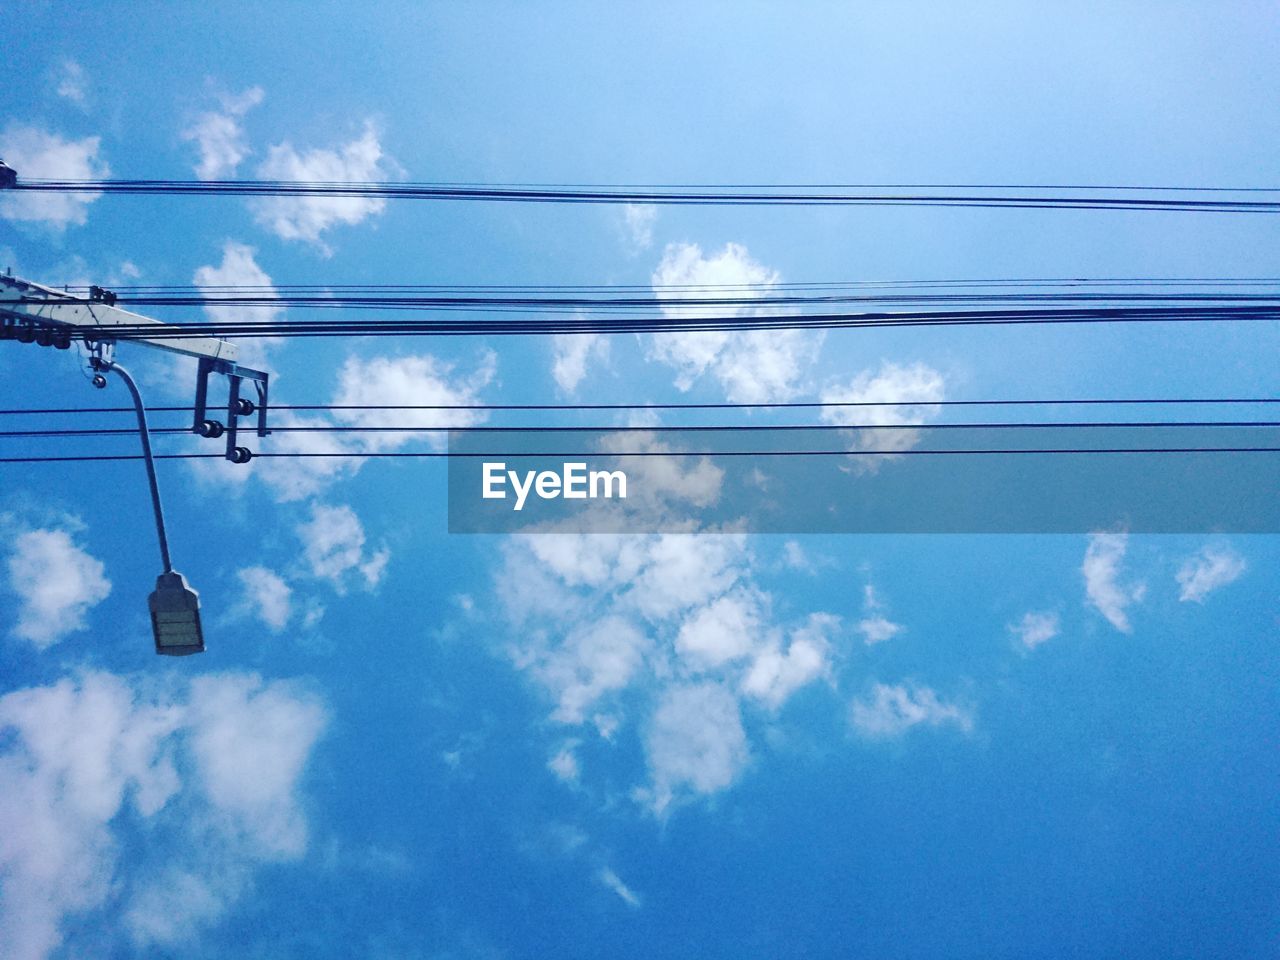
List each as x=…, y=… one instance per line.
x=101, y=352
x=237, y=406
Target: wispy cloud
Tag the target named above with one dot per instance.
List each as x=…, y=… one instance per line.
x=1035, y=628
x=674, y=626
x=918, y=385
x=725, y=630
x=1213, y=567
x=42, y=155
x=564, y=764
x=777, y=673
x=874, y=626
x=638, y=220
x=219, y=135
x=266, y=596
x=892, y=710
x=223, y=757
x=57, y=584
x=362, y=385
x=333, y=547
x=71, y=83
x=614, y=883
x=695, y=741
x=571, y=354
x=1103, y=589
x=754, y=366
x=239, y=268
x=309, y=218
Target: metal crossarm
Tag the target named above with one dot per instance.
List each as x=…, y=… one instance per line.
x=23, y=302
x=31, y=312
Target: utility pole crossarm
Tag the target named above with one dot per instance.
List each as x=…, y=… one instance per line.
x=58, y=308
x=31, y=312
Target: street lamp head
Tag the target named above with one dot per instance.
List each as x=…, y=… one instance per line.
x=175, y=616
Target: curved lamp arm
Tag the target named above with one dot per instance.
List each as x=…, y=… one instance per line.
x=113, y=367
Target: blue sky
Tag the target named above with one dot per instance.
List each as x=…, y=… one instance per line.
x=407, y=744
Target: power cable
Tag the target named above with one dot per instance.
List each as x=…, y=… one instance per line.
x=763, y=405
x=451, y=454
x=1202, y=199
x=509, y=304
x=670, y=428
x=679, y=324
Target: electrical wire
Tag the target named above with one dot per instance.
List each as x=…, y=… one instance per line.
x=781, y=284
x=669, y=324
x=669, y=428
x=662, y=294
x=1052, y=197
x=453, y=454
x=514, y=304
x=670, y=297
x=725, y=405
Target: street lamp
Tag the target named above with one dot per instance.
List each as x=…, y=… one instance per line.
x=175, y=607
x=175, y=616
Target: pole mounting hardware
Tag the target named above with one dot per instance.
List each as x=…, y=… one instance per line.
x=237, y=406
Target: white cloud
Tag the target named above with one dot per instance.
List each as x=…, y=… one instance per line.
x=584, y=559
x=312, y=614
x=1214, y=566
x=606, y=725
x=377, y=381
x=593, y=659
x=266, y=596
x=72, y=753
x=794, y=557
x=40, y=155
x=751, y=367
x=565, y=762
x=240, y=269
x=72, y=84
x=606, y=622
x=333, y=547
x=174, y=908
x=614, y=883
x=1035, y=628
x=683, y=571
x=416, y=380
x=874, y=626
x=251, y=742
x=638, y=220
x=695, y=741
x=726, y=629
x=571, y=353
x=219, y=136
x=916, y=384
x=658, y=480
x=307, y=218
x=1101, y=570
x=57, y=584
x=877, y=629
x=776, y=674
x=81, y=757
x=326, y=459
x=890, y=711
